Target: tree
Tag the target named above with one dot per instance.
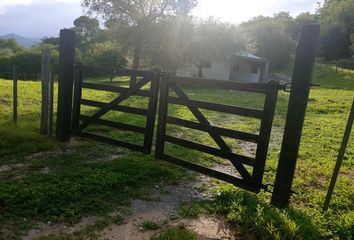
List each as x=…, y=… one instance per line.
x=337, y=21
x=28, y=62
x=168, y=42
x=10, y=45
x=286, y=24
x=306, y=18
x=86, y=30
x=335, y=43
x=132, y=20
x=51, y=40
x=267, y=40
x=214, y=41
x=106, y=55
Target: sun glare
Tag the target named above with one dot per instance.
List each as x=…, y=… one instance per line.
x=236, y=11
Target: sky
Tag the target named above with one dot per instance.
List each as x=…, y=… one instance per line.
x=39, y=18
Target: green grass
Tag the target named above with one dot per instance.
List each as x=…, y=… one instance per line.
x=149, y=225
x=84, y=179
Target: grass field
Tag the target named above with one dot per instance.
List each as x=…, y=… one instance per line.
x=46, y=181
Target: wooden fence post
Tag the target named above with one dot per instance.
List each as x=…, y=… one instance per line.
x=163, y=109
x=45, y=91
x=340, y=157
x=14, y=94
x=77, y=98
x=65, y=88
x=300, y=90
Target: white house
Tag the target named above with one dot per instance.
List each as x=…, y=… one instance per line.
x=242, y=66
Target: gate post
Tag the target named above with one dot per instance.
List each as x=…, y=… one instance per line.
x=77, y=98
x=66, y=79
x=300, y=90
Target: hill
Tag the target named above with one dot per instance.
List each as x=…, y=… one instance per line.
x=23, y=41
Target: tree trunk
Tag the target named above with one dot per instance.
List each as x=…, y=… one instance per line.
x=136, y=56
x=136, y=63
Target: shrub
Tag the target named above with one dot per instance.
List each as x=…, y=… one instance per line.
x=346, y=63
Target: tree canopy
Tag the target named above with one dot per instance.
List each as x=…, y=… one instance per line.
x=131, y=21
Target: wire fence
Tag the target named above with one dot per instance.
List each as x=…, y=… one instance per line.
x=335, y=68
x=28, y=99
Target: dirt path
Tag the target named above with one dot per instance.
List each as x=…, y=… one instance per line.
x=161, y=208
x=164, y=211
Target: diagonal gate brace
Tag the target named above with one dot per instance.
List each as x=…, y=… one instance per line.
x=217, y=138
x=115, y=102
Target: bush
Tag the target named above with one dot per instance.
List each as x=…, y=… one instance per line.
x=28, y=63
x=104, y=55
x=346, y=63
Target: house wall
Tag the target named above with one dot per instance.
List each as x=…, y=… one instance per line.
x=190, y=71
x=244, y=73
x=223, y=71
x=245, y=77
x=218, y=71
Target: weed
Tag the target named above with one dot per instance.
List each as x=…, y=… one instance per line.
x=149, y=225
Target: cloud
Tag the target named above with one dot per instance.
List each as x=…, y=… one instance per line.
x=38, y=18
x=6, y=4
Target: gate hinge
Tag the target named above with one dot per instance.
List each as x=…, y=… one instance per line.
x=269, y=188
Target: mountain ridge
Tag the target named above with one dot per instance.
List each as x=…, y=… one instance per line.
x=21, y=40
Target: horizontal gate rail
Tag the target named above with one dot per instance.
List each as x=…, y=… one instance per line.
x=221, y=84
x=246, y=112
x=115, y=102
x=81, y=121
x=249, y=137
x=116, y=71
x=248, y=180
x=119, y=108
x=109, y=88
x=210, y=172
x=210, y=150
x=121, y=126
x=108, y=140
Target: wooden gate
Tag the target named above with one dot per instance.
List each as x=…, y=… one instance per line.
x=141, y=78
x=250, y=180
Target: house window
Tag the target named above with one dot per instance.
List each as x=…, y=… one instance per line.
x=205, y=64
x=254, y=69
x=236, y=68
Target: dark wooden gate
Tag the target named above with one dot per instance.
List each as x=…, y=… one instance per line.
x=250, y=177
x=141, y=78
